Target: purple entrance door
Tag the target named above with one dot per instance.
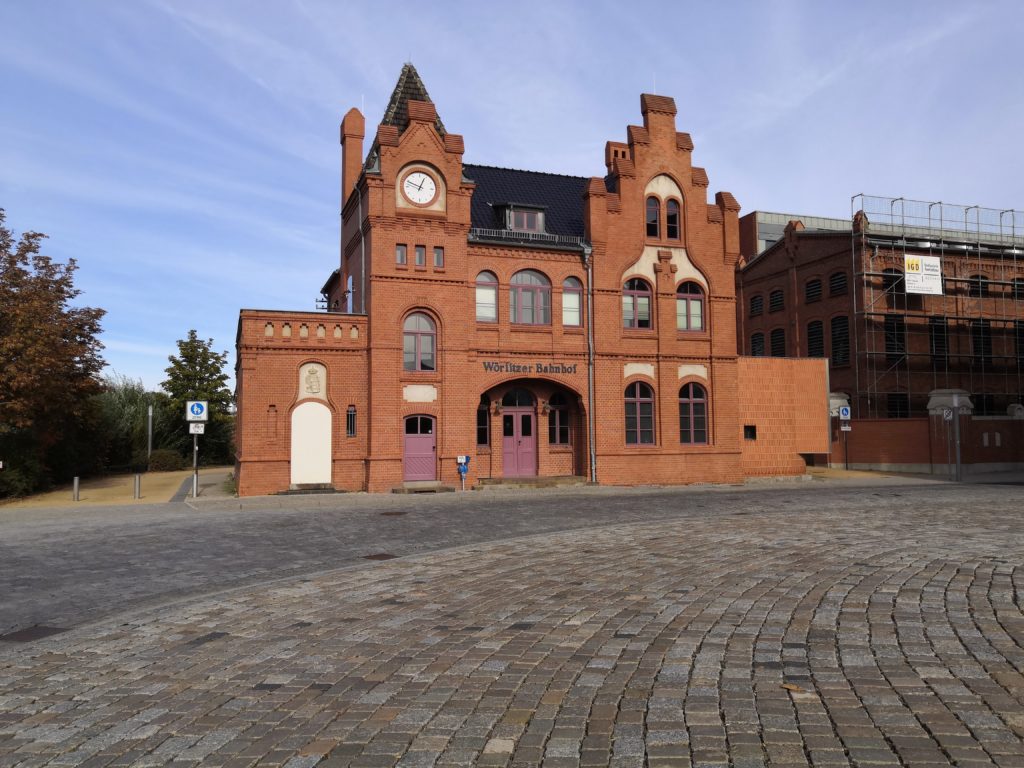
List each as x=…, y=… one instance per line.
x=419, y=461
x=519, y=443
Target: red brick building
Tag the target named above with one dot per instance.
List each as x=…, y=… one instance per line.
x=901, y=345
x=542, y=325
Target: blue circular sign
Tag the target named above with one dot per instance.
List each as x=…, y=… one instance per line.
x=197, y=409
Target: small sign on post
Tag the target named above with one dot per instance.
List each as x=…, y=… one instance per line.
x=844, y=413
x=196, y=410
x=846, y=428
x=197, y=413
x=197, y=428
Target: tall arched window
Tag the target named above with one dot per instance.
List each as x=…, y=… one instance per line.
x=419, y=337
x=757, y=345
x=690, y=307
x=558, y=420
x=693, y=415
x=483, y=421
x=531, y=298
x=639, y=414
x=486, y=298
x=673, y=220
x=653, y=217
x=816, y=338
x=572, y=292
x=636, y=304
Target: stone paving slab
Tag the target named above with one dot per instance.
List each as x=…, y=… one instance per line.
x=890, y=634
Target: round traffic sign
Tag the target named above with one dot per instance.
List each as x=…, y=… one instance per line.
x=197, y=409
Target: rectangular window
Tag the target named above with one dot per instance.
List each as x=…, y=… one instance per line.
x=571, y=308
x=527, y=221
x=756, y=305
x=750, y=432
x=897, y=406
x=438, y=256
x=776, y=301
x=812, y=291
x=483, y=426
x=981, y=342
x=350, y=421
x=486, y=303
x=837, y=284
x=1019, y=333
x=421, y=255
x=401, y=254
x=895, y=337
x=938, y=339
x=840, y=331
x=558, y=427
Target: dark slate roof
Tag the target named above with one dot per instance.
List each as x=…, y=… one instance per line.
x=409, y=86
x=561, y=197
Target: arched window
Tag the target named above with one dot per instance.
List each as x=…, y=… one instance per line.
x=572, y=292
x=653, y=217
x=636, y=304
x=350, y=421
x=812, y=291
x=693, y=415
x=690, y=307
x=486, y=298
x=895, y=288
x=639, y=414
x=419, y=337
x=558, y=420
x=778, y=342
x=672, y=220
x=483, y=421
x=531, y=298
x=978, y=286
x=757, y=345
x=840, y=331
x=776, y=300
x=837, y=284
x=756, y=305
x=816, y=338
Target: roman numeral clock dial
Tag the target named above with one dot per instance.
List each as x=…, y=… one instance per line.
x=419, y=188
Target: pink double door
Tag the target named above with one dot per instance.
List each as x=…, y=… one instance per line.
x=419, y=460
x=519, y=442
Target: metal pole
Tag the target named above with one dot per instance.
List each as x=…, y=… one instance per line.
x=149, y=440
x=195, y=466
x=137, y=487
x=956, y=434
x=846, y=448
x=74, y=491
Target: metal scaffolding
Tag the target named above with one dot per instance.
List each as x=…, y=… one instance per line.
x=971, y=337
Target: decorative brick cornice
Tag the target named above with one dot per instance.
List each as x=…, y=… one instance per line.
x=596, y=187
x=454, y=143
x=726, y=201
x=387, y=135
x=684, y=142
x=650, y=102
x=699, y=177
x=624, y=167
x=422, y=111
x=715, y=215
x=638, y=135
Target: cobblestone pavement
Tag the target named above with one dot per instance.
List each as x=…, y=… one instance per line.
x=786, y=628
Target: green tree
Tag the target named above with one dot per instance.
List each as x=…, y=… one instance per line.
x=51, y=359
x=197, y=372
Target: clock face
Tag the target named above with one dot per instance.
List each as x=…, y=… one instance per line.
x=419, y=188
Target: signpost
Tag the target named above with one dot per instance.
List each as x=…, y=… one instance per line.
x=845, y=427
x=196, y=414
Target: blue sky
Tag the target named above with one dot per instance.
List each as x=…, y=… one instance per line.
x=185, y=152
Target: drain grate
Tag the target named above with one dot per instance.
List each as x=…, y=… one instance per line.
x=38, y=632
x=380, y=556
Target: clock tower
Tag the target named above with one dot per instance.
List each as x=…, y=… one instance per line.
x=406, y=220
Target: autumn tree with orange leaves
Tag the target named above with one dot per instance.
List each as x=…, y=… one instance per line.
x=49, y=365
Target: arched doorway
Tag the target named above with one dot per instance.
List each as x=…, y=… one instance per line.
x=419, y=459
x=519, y=433
x=311, y=444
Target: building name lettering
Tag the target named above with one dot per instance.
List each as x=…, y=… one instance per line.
x=529, y=367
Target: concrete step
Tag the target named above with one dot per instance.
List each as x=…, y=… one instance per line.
x=423, y=486
x=305, y=489
x=494, y=483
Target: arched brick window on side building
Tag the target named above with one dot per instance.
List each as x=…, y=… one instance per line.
x=639, y=414
x=636, y=304
x=693, y=415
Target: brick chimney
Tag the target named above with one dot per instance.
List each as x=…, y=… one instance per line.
x=353, y=129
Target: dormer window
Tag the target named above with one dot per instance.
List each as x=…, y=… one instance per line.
x=524, y=219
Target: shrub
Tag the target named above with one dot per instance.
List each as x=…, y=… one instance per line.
x=165, y=460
